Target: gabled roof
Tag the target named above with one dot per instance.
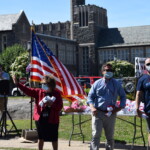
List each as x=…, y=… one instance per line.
x=7, y=21
x=127, y=36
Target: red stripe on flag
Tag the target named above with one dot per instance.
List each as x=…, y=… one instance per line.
x=58, y=83
x=37, y=71
x=59, y=73
x=68, y=77
x=79, y=88
x=72, y=83
x=35, y=78
x=34, y=62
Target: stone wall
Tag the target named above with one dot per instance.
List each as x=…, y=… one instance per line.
x=59, y=29
x=10, y=36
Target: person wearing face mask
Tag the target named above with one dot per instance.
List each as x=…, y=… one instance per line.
x=143, y=95
x=103, y=94
x=48, y=104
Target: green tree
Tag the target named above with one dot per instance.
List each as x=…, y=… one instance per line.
x=19, y=66
x=8, y=56
x=122, y=68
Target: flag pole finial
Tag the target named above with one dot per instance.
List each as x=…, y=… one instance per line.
x=33, y=26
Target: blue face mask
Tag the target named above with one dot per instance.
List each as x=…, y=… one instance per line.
x=108, y=75
x=45, y=87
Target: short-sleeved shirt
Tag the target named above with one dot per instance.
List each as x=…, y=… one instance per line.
x=144, y=86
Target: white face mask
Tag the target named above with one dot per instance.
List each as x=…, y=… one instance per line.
x=45, y=87
x=108, y=75
x=148, y=68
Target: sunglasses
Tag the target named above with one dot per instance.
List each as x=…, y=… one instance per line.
x=148, y=64
x=108, y=70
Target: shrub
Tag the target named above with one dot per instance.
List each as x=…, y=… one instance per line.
x=19, y=66
x=122, y=68
x=8, y=56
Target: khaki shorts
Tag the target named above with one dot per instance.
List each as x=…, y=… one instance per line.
x=2, y=103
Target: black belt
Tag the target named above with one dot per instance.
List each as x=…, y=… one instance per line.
x=102, y=110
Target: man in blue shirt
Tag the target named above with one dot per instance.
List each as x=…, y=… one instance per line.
x=143, y=94
x=104, y=93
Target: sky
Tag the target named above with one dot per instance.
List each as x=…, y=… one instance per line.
x=121, y=13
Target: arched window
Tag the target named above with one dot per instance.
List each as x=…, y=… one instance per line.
x=85, y=60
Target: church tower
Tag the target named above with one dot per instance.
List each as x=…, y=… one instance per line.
x=86, y=23
x=73, y=4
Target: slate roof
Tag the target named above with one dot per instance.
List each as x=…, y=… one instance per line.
x=126, y=36
x=6, y=21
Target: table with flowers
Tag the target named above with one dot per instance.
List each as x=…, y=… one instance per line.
x=80, y=109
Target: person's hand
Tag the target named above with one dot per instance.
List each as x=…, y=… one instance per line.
x=94, y=111
x=49, y=103
x=139, y=113
x=116, y=109
x=15, y=80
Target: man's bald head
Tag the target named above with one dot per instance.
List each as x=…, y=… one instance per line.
x=147, y=61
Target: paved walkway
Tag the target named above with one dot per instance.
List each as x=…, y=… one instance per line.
x=63, y=145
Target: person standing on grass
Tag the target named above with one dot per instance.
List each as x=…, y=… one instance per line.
x=48, y=104
x=143, y=94
x=3, y=99
x=104, y=94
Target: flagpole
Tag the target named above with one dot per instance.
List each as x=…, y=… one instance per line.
x=31, y=85
x=29, y=47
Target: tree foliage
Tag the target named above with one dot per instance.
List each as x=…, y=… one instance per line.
x=8, y=56
x=19, y=66
x=122, y=68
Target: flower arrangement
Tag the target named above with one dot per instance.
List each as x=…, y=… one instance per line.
x=76, y=106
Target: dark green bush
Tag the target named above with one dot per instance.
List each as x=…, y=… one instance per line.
x=122, y=68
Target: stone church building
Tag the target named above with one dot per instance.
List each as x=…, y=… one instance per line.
x=85, y=42
x=14, y=28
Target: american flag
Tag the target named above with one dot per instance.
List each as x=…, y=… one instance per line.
x=44, y=62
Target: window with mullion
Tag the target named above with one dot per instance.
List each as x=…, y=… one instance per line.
x=85, y=60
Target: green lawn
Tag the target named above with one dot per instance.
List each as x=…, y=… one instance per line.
x=123, y=130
